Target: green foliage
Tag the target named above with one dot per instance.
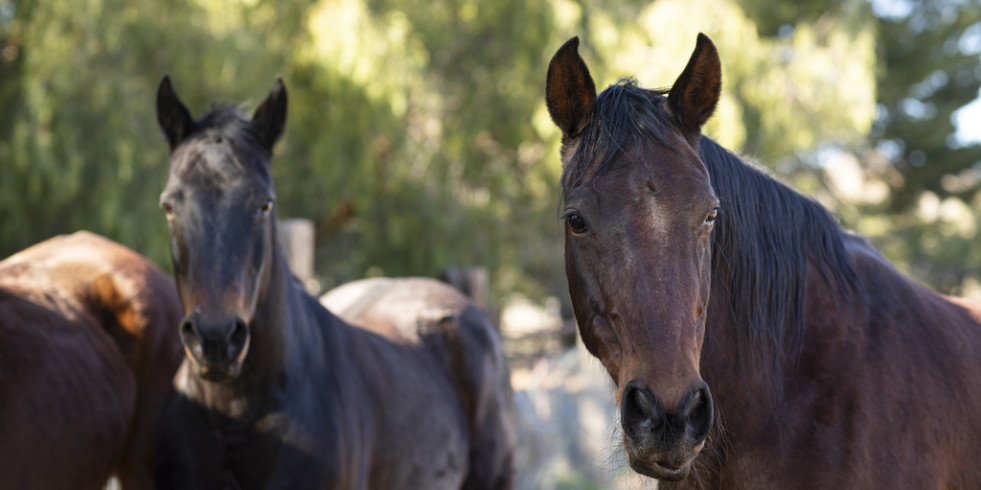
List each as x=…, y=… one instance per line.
x=928, y=68
x=79, y=146
x=417, y=135
x=925, y=76
x=780, y=96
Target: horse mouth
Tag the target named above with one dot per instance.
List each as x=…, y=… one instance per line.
x=673, y=466
x=217, y=372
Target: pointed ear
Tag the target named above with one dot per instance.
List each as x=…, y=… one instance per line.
x=569, y=90
x=269, y=119
x=695, y=94
x=173, y=117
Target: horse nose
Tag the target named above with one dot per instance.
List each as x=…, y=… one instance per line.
x=215, y=342
x=644, y=419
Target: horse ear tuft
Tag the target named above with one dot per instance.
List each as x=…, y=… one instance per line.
x=174, y=119
x=269, y=119
x=695, y=94
x=570, y=93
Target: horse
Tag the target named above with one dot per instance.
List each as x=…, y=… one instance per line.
x=87, y=354
x=275, y=391
x=754, y=343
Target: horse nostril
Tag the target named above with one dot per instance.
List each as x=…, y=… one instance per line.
x=190, y=337
x=639, y=412
x=237, y=337
x=700, y=415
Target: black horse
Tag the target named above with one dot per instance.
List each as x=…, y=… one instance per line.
x=277, y=392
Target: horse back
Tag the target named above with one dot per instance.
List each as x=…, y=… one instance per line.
x=114, y=314
x=465, y=345
x=127, y=295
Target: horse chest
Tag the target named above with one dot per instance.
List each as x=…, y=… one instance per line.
x=273, y=451
x=283, y=452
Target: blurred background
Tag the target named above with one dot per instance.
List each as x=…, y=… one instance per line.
x=418, y=139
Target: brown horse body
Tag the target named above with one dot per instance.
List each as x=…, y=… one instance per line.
x=887, y=398
x=691, y=270
x=278, y=392
x=87, y=354
x=429, y=319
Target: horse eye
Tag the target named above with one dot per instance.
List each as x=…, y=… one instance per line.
x=266, y=207
x=710, y=219
x=576, y=223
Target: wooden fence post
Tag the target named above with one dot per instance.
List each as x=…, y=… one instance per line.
x=471, y=281
x=297, y=238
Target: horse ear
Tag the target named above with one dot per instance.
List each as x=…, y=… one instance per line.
x=695, y=94
x=173, y=117
x=269, y=119
x=569, y=90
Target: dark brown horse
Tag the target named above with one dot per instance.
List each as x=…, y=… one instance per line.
x=277, y=392
x=87, y=354
x=827, y=367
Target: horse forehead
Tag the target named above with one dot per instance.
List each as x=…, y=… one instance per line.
x=657, y=172
x=218, y=167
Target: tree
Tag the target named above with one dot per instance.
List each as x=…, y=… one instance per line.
x=913, y=185
x=417, y=136
x=930, y=66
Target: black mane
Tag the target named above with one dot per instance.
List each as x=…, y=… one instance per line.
x=763, y=239
x=625, y=114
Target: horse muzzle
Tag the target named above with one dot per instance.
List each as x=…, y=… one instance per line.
x=659, y=443
x=217, y=349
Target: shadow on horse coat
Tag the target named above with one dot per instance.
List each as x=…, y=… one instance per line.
x=87, y=354
x=754, y=343
x=277, y=392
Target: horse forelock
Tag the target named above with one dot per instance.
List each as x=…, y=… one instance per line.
x=625, y=117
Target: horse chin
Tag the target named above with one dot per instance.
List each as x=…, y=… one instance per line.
x=659, y=471
x=217, y=372
x=672, y=469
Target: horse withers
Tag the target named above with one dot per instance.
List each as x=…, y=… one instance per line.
x=277, y=392
x=753, y=342
x=87, y=354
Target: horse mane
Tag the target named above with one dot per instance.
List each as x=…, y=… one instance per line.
x=763, y=240
x=764, y=237
x=625, y=114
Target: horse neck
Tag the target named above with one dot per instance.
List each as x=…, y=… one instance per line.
x=766, y=275
x=283, y=333
x=272, y=325
x=722, y=365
